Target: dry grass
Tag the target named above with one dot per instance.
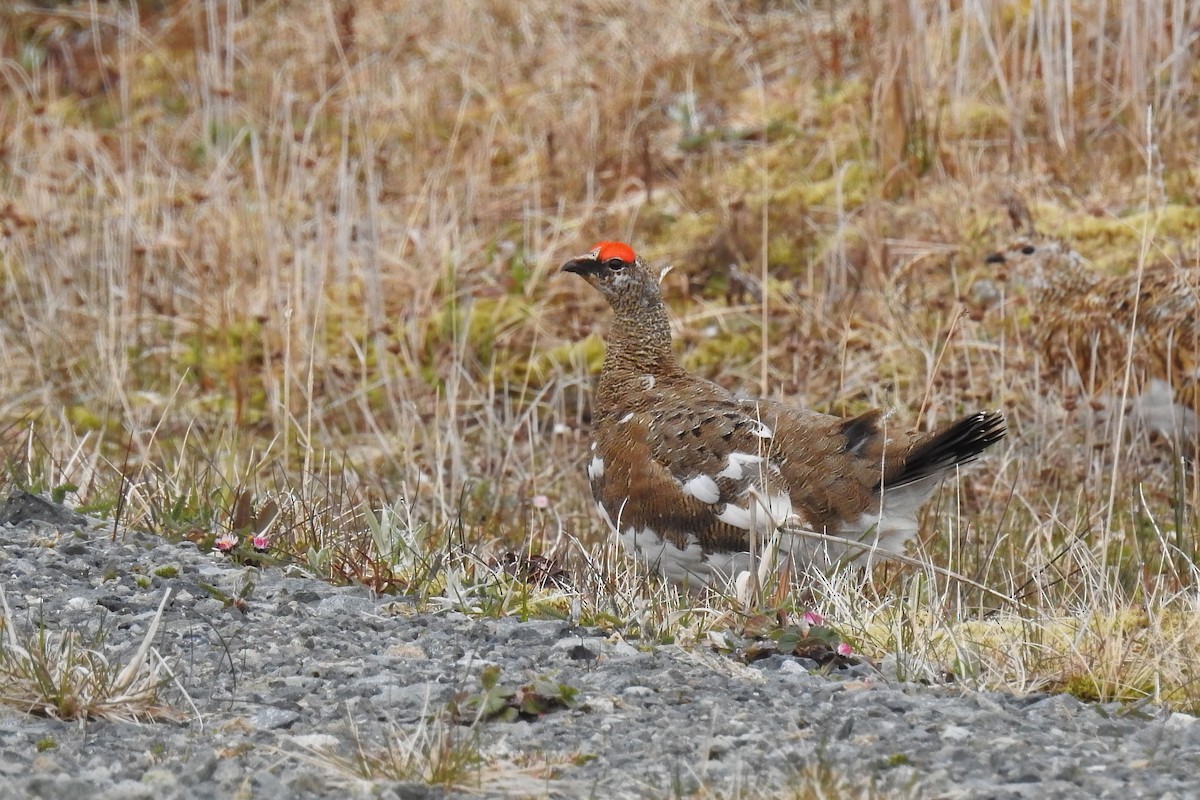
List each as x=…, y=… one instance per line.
x=436, y=753
x=286, y=265
x=67, y=674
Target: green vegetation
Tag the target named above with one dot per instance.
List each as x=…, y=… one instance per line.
x=497, y=702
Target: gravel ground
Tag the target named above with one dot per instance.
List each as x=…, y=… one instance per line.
x=307, y=674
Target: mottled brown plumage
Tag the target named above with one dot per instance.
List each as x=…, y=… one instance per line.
x=692, y=479
x=1085, y=320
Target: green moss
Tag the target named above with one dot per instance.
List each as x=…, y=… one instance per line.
x=583, y=356
x=976, y=120
x=854, y=180
x=84, y=419
x=169, y=571
x=785, y=251
x=226, y=364
x=847, y=94
x=474, y=331
x=1178, y=220
x=1092, y=690
x=1087, y=689
x=689, y=226
x=729, y=348
x=1114, y=242
x=59, y=493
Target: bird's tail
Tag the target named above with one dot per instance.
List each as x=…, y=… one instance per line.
x=955, y=444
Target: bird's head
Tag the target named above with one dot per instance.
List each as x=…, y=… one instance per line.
x=619, y=274
x=1036, y=262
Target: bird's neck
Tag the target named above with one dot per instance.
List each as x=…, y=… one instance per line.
x=638, y=344
x=1063, y=279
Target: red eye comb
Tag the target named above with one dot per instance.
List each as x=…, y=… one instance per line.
x=606, y=251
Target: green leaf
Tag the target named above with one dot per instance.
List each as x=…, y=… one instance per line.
x=490, y=677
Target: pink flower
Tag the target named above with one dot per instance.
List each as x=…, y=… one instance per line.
x=813, y=618
x=844, y=649
x=541, y=501
x=260, y=542
x=226, y=542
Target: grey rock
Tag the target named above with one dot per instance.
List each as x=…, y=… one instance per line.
x=269, y=719
x=134, y=790
x=23, y=508
x=343, y=604
x=54, y=787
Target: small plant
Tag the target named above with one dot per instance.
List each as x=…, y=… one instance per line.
x=248, y=539
x=400, y=555
x=45, y=743
x=59, y=493
x=236, y=600
x=821, y=779
x=762, y=635
x=469, y=585
x=436, y=753
x=65, y=675
x=319, y=561
x=169, y=571
x=530, y=701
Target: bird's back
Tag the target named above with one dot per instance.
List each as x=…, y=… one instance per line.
x=686, y=459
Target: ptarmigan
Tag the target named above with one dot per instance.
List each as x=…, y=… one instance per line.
x=1086, y=319
x=693, y=480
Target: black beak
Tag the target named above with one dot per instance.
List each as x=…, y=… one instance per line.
x=994, y=258
x=582, y=265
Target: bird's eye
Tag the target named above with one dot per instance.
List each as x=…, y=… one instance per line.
x=1028, y=249
x=615, y=264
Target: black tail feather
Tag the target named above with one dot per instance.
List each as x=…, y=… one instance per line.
x=957, y=444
